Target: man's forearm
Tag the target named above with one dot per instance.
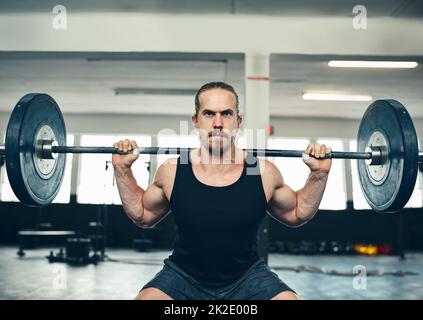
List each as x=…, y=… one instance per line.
x=310, y=196
x=131, y=194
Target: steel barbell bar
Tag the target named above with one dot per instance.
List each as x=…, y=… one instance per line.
x=170, y=150
x=373, y=155
x=48, y=148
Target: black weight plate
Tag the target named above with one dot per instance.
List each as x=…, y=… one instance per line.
x=32, y=112
x=391, y=119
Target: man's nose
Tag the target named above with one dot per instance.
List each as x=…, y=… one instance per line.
x=217, y=121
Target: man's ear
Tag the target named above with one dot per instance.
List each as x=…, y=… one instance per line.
x=194, y=120
x=240, y=120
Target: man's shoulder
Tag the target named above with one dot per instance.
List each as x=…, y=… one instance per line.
x=168, y=166
x=267, y=167
x=270, y=174
x=171, y=161
x=166, y=172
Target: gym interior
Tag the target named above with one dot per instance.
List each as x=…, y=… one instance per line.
x=131, y=69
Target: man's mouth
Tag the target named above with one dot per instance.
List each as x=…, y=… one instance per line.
x=217, y=134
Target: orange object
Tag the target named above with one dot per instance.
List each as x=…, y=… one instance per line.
x=370, y=250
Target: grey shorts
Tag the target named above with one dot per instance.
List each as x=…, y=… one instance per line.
x=258, y=283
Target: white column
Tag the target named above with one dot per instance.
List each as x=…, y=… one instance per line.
x=256, y=113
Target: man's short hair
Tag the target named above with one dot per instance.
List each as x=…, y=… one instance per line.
x=215, y=85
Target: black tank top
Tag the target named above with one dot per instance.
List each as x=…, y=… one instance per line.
x=217, y=227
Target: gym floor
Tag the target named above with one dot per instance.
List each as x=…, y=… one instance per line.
x=33, y=277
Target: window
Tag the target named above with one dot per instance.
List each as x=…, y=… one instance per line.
x=359, y=201
x=6, y=193
x=241, y=142
x=96, y=183
x=295, y=172
x=335, y=196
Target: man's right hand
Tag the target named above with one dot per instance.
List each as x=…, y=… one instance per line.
x=124, y=161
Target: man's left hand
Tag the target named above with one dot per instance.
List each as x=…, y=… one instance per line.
x=315, y=154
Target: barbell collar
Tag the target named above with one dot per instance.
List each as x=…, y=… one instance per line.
x=379, y=155
x=46, y=149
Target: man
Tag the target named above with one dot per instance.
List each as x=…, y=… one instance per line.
x=218, y=207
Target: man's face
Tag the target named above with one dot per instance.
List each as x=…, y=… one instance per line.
x=217, y=120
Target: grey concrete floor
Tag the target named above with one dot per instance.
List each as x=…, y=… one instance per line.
x=33, y=277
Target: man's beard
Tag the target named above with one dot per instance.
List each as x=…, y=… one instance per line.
x=219, y=145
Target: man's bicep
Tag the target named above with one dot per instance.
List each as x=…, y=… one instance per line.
x=284, y=200
x=283, y=206
x=155, y=202
x=155, y=205
x=155, y=199
x=282, y=197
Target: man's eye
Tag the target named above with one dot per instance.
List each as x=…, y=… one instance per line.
x=208, y=114
x=227, y=114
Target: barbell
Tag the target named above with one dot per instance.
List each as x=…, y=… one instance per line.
x=35, y=150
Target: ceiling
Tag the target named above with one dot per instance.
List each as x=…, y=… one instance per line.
x=165, y=83
x=392, y=8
